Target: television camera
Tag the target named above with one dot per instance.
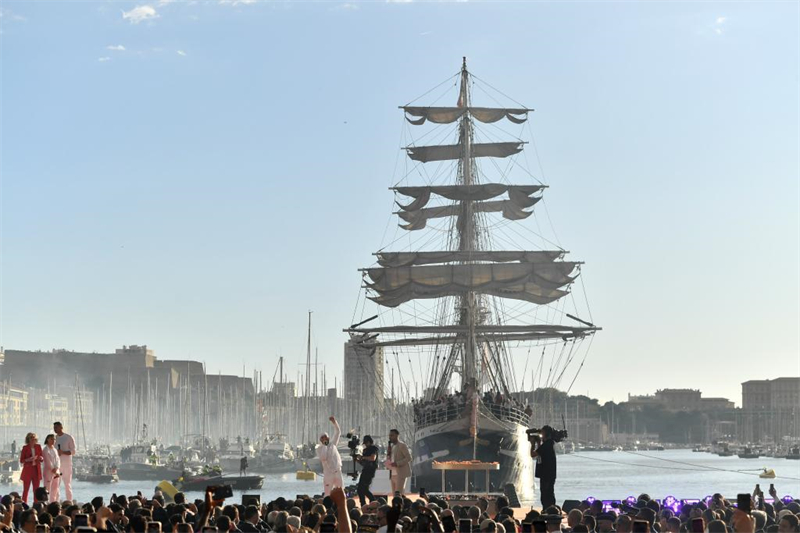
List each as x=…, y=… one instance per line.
x=536, y=435
x=354, y=443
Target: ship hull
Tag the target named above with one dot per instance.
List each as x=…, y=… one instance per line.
x=497, y=441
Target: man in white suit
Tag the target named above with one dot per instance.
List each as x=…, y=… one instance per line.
x=328, y=454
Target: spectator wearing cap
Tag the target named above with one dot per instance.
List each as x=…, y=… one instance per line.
x=553, y=522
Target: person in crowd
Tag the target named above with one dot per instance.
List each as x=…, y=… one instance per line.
x=574, y=517
x=28, y=518
x=788, y=523
x=65, y=445
x=328, y=453
x=252, y=520
x=399, y=462
x=50, y=467
x=31, y=460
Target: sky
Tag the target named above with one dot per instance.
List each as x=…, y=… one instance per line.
x=196, y=176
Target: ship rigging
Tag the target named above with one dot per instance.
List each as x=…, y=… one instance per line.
x=467, y=298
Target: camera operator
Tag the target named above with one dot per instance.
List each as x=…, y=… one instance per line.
x=545, y=456
x=369, y=464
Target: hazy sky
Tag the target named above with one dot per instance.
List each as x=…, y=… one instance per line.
x=195, y=176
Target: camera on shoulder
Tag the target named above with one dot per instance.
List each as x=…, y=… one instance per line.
x=536, y=435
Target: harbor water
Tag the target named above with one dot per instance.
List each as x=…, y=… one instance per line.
x=605, y=475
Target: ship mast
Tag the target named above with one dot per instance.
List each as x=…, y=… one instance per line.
x=466, y=230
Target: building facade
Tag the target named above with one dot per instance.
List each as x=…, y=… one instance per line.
x=770, y=410
x=108, y=397
x=363, y=374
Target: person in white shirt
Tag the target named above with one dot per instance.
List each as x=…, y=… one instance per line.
x=51, y=474
x=66, y=450
x=328, y=454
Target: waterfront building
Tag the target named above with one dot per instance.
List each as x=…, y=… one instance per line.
x=110, y=396
x=770, y=410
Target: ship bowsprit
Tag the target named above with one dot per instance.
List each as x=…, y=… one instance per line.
x=502, y=441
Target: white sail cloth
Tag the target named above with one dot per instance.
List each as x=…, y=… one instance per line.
x=534, y=282
x=447, y=115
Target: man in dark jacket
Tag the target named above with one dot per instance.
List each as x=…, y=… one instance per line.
x=545, y=456
x=252, y=520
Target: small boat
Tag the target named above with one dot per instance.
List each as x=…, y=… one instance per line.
x=144, y=472
x=748, y=453
x=793, y=454
x=767, y=473
x=10, y=473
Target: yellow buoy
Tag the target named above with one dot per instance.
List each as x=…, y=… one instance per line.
x=306, y=474
x=767, y=473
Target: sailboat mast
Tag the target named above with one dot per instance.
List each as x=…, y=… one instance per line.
x=466, y=231
x=306, y=426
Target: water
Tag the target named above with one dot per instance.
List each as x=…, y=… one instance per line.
x=605, y=475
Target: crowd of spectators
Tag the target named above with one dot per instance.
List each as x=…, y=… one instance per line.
x=450, y=406
x=137, y=514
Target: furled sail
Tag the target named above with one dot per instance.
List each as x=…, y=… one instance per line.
x=539, y=283
x=483, y=191
x=446, y=152
x=416, y=215
x=398, y=259
x=448, y=115
x=511, y=210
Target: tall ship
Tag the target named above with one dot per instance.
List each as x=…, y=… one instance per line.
x=481, y=301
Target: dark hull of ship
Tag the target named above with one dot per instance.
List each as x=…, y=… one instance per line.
x=498, y=441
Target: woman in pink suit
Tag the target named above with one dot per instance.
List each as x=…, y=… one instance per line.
x=31, y=459
x=50, y=468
